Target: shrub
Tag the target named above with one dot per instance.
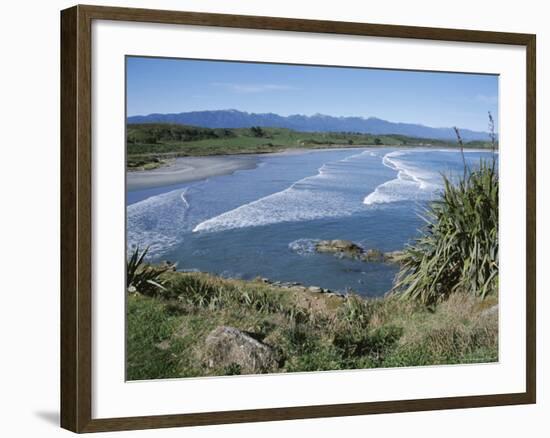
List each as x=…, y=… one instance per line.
x=355, y=312
x=141, y=277
x=458, y=249
x=206, y=292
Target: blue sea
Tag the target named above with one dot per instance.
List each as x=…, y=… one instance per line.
x=265, y=221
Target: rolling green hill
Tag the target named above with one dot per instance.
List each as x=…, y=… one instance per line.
x=147, y=144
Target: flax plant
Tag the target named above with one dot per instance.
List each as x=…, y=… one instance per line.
x=458, y=247
x=141, y=277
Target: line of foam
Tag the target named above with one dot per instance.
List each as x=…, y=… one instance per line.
x=216, y=222
x=151, y=222
x=184, y=199
x=400, y=188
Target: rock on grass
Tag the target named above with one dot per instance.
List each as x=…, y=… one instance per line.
x=230, y=348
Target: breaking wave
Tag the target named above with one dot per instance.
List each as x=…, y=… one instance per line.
x=412, y=183
x=419, y=179
x=335, y=191
x=151, y=222
x=303, y=246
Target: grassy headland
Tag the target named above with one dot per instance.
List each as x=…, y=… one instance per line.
x=149, y=144
x=307, y=331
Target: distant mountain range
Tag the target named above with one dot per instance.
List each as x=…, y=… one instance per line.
x=317, y=122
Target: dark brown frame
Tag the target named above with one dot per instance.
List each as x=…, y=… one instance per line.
x=76, y=236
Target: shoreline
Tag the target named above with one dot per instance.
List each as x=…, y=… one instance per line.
x=188, y=169
x=195, y=168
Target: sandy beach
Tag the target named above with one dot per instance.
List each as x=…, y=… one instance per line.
x=185, y=169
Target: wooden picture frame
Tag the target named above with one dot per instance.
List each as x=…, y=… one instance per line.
x=76, y=217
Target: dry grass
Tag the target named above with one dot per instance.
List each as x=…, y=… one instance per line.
x=459, y=330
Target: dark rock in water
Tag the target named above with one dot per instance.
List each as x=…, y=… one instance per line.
x=373, y=255
x=349, y=249
x=227, y=347
x=344, y=248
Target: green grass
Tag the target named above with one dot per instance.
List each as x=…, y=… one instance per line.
x=149, y=324
x=310, y=331
x=147, y=142
x=144, y=162
x=458, y=249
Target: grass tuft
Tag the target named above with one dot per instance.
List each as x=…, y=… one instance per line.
x=458, y=249
x=141, y=277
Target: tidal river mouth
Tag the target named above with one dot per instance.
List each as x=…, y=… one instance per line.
x=264, y=218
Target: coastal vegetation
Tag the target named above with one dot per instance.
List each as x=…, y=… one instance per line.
x=145, y=162
x=458, y=248
x=149, y=145
x=198, y=324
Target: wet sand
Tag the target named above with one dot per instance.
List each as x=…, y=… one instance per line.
x=186, y=169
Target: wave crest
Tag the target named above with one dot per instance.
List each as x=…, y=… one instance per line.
x=329, y=193
x=412, y=183
x=153, y=222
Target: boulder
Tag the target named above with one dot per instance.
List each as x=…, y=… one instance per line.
x=373, y=255
x=228, y=348
x=315, y=289
x=339, y=247
x=349, y=249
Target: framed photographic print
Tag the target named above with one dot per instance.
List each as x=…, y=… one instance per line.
x=270, y=218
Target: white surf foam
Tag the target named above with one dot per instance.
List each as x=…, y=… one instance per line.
x=154, y=221
x=326, y=194
x=412, y=183
x=303, y=246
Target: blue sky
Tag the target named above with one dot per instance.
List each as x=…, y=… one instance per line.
x=158, y=85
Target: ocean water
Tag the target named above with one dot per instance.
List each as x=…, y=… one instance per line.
x=265, y=221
